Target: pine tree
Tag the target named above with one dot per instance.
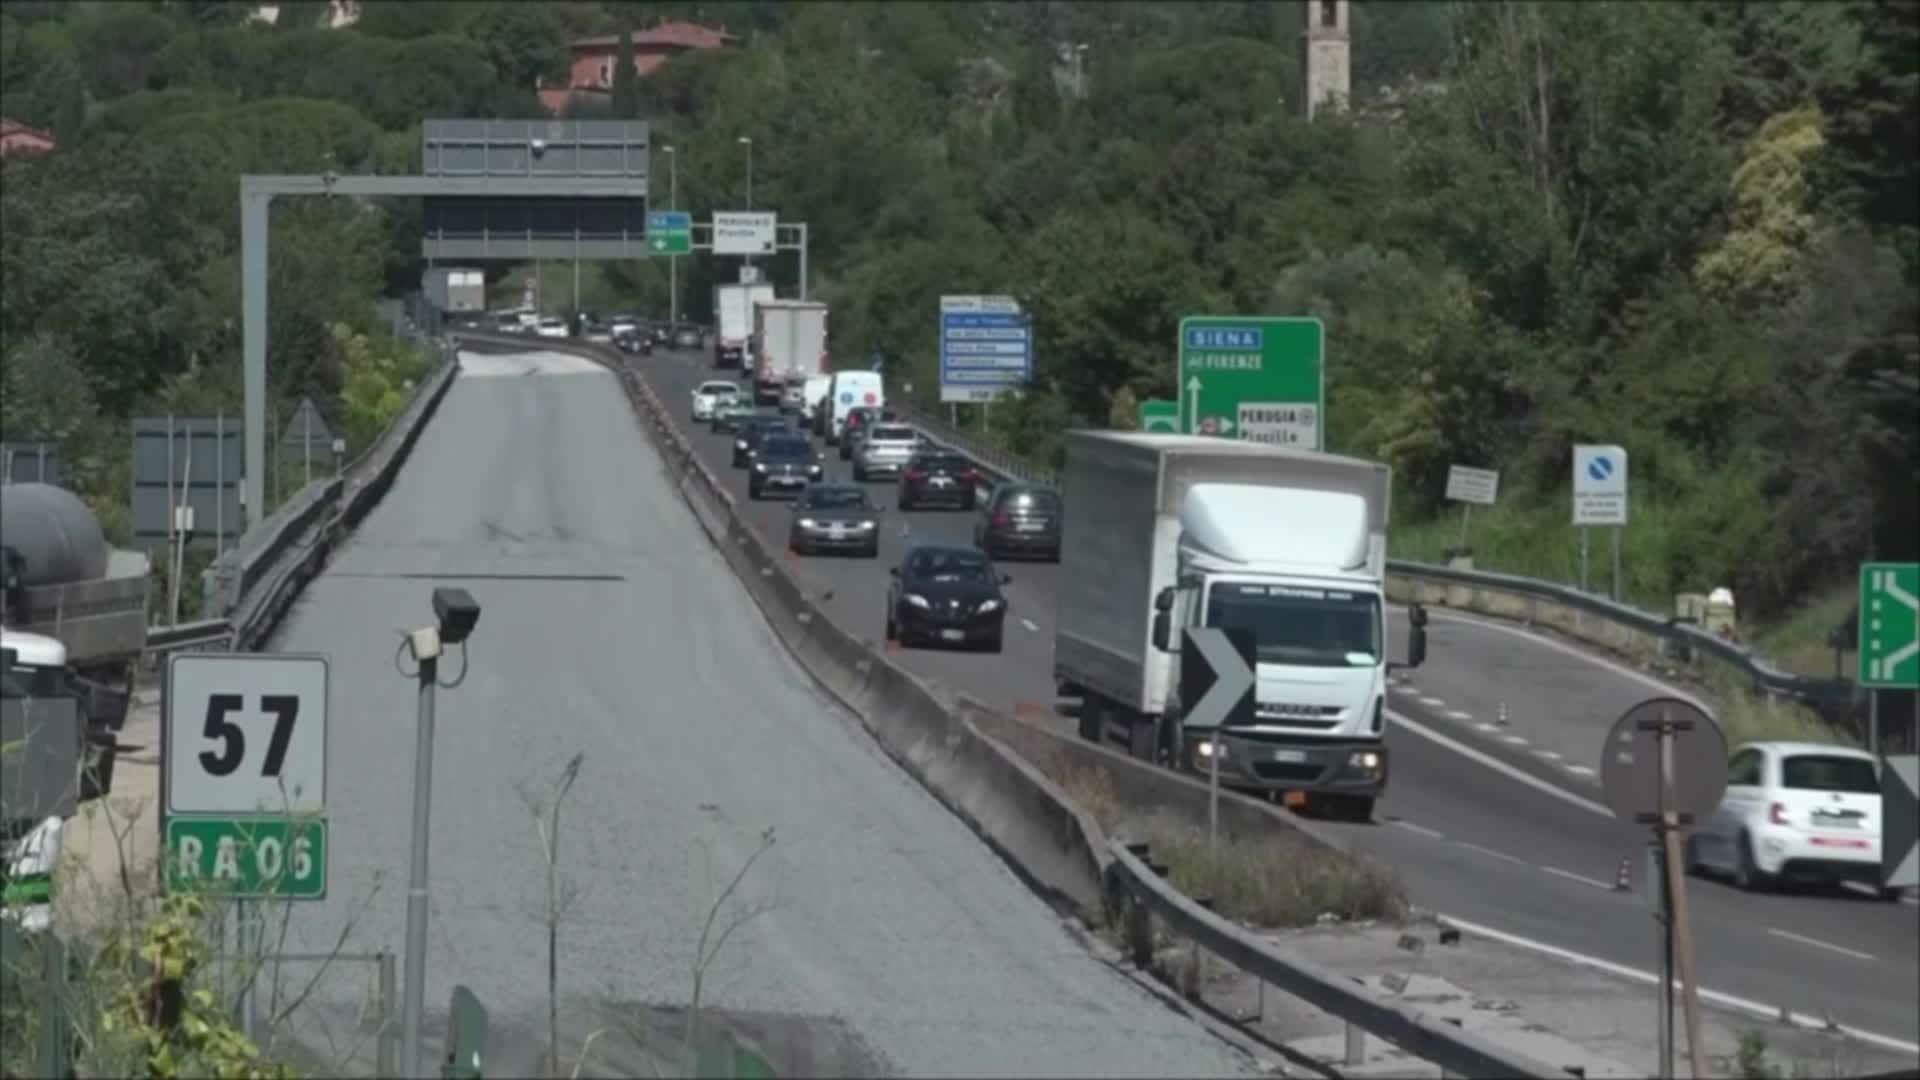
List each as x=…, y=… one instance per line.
x=626, y=79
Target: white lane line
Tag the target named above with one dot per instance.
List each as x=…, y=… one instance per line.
x=1029, y=625
x=1501, y=855
x=1583, y=770
x=1581, y=878
x=1488, y=760
x=1818, y=944
x=1433, y=703
x=1725, y=1000
x=1595, y=659
x=1404, y=688
x=1484, y=726
x=1458, y=714
x=1548, y=755
x=1514, y=740
x=1421, y=829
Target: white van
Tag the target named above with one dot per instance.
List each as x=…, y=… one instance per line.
x=850, y=390
x=812, y=393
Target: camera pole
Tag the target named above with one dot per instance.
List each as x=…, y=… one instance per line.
x=413, y=1005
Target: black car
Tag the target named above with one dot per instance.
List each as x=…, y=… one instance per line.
x=782, y=462
x=1020, y=519
x=633, y=343
x=688, y=337
x=746, y=438
x=946, y=594
x=835, y=517
x=938, y=478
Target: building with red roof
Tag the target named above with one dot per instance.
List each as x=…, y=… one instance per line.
x=591, y=72
x=16, y=137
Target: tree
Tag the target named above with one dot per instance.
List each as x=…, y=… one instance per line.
x=626, y=78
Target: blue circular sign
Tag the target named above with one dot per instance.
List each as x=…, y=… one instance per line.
x=846, y=397
x=1599, y=468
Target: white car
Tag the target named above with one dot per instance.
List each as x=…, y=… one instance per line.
x=551, y=327
x=708, y=394
x=1795, y=811
x=622, y=325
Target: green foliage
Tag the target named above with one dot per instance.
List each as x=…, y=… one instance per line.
x=626, y=79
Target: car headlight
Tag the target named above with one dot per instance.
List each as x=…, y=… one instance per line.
x=739, y=444
x=814, y=469
x=988, y=605
x=866, y=525
x=917, y=600
x=808, y=523
x=759, y=466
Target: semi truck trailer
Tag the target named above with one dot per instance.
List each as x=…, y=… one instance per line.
x=1174, y=532
x=733, y=306
x=789, y=346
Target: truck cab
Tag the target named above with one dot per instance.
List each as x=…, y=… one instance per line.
x=42, y=728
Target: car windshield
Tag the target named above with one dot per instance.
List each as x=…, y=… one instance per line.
x=892, y=434
x=785, y=449
x=836, y=498
x=950, y=566
x=1829, y=772
x=1302, y=626
x=719, y=388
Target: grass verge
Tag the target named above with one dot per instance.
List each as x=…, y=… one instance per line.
x=1278, y=881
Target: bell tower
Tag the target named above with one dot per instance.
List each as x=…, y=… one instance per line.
x=1326, y=57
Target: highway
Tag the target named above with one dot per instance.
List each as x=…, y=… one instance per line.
x=611, y=629
x=1492, y=813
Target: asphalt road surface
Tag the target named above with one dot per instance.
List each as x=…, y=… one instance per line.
x=1492, y=813
x=610, y=629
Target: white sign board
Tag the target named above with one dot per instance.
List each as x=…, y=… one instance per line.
x=1469, y=485
x=1279, y=423
x=740, y=232
x=245, y=733
x=1599, y=485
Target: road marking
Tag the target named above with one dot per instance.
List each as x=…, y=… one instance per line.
x=1583, y=770
x=1514, y=740
x=1404, y=688
x=1484, y=726
x=1029, y=625
x=1501, y=855
x=1818, y=944
x=1481, y=758
x=1549, y=755
x=1725, y=1000
x=1555, y=644
x=1581, y=878
x=1433, y=702
x=1457, y=714
x=1421, y=829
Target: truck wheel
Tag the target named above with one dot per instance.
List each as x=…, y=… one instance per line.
x=1143, y=740
x=1093, y=723
x=859, y=474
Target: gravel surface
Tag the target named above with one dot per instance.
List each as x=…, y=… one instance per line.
x=611, y=630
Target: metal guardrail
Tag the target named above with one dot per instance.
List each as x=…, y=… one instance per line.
x=1682, y=638
x=1145, y=896
x=189, y=637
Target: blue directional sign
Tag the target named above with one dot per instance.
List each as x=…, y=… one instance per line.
x=986, y=347
x=669, y=232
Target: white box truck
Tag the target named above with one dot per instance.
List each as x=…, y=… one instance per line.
x=789, y=347
x=1172, y=532
x=733, y=320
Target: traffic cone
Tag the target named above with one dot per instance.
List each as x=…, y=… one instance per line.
x=1623, y=880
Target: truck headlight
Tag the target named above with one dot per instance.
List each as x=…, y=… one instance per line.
x=1364, y=760
x=808, y=523
x=1206, y=749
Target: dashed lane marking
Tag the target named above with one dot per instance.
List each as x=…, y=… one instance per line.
x=1485, y=726
x=1548, y=755
x=1581, y=878
x=1456, y=714
x=1029, y=626
x=1484, y=850
x=1433, y=702
x=1818, y=944
x=1421, y=829
x=1514, y=740
x=1583, y=770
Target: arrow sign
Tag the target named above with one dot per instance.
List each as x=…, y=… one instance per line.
x=1193, y=405
x=1216, y=674
x=1900, y=822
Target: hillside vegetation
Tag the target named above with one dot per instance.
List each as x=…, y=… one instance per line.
x=1687, y=228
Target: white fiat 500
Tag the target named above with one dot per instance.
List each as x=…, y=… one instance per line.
x=709, y=394
x=1798, y=811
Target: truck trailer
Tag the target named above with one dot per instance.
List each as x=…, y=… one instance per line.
x=733, y=306
x=1173, y=532
x=789, y=347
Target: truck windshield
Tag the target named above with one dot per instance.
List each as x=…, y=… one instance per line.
x=1299, y=625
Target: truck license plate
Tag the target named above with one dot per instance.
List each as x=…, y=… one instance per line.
x=953, y=635
x=1290, y=757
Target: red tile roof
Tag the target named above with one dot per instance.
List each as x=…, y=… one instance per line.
x=683, y=35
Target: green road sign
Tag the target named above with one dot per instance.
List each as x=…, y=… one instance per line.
x=1158, y=415
x=1890, y=626
x=669, y=232
x=248, y=858
x=1258, y=378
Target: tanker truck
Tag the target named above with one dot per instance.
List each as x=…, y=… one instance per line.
x=73, y=621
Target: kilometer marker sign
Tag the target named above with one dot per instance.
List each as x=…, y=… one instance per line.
x=1260, y=378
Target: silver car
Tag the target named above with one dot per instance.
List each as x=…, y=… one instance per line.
x=884, y=451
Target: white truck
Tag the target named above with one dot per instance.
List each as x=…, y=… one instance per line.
x=789, y=347
x=73, y=619
x=1177, y=532
x=733, y=306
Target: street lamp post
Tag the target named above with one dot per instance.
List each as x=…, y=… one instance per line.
x=748, y=144
x=673, y=262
